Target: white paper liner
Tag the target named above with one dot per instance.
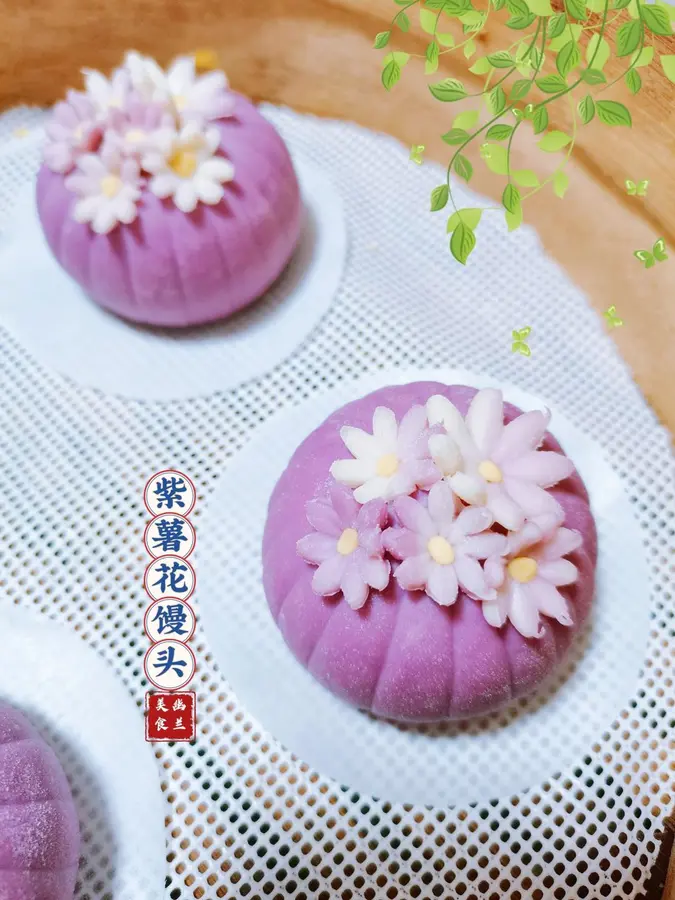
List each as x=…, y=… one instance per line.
x=53, y=318
x=437, y=765
x=80, y=706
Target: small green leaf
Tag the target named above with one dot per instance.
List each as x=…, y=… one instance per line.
x=556, y=25
x=551, y=84
x=382, y=39
x=496, y=100
x=481, y=66
x=554, y=141
x=495, y=158
x=612, y=113
x=620, y=4
x=472, y=21
x=561, y=182
x=520, y=23
x=593, y=76
x=463, y=167
x=469, y=49
x=586, y=109
x=576, y=9
x=439, y=197
x=447, y=40
x=517, y=7
x=568, y=57
x=402, y=21
x=633, y=9
x=499, y=132
x=540, y=7
x=511, y=198
x=462, y=242
x=432, y=58
x=525, y=178
x=455, y=136
x=596, y=6
x=501, y=60
x=514, y=220
x=668, y=66
x=466, y=120
x=597, y=52
x=656, y=19
x=540, y=119
x=398, y=56
x=520, y=89
x=470, y=217
x=391, y=74
x=643, y=58
x=428, y=20
x=448, y=90
x=628, y=37
x=498, y=4
x=633, y=81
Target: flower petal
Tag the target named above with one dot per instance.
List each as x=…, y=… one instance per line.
x=441, y=505
x=321, y=516
x=550, y=601
x=527, y=536
x=327, y=578
x=105, y=220
x=563, y=542
x=422, y=472
x=352, y=472
x=483, y=546
x=523, y=611
x=372, y=516
x=533, y=500
x=185, y=197
x=414, y=516
x=543, y=467
x=375, y=572
x=558, y=571
x=522, y=434
x=506, y=512
x=485, y=420
x=316, y=548
x=217, y=169
x=385, y=429
x=442, y=584
x=495, y=571
x=471, y=578
x=373, y=489
x=495, y=613
x=86, y=209
x=413, y=572
x=474, y=519
x=163, y=185
x=345, y=506
x=441, y=410
x=411, y=437
x=354, y=588
x=469, y=488
x=359, y=443
x=402, y=542
x=445, y=453
x=209, y=192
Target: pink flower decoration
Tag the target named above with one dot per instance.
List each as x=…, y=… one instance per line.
x=137, y=125
x=393, y=460
x=346, y=546
x=71, y=131
x=527, y=576
x=498, y=466
x=440, y=551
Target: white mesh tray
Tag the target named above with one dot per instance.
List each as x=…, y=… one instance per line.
x=244, y=819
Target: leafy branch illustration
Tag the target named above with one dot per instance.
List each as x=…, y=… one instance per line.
x=576, y=37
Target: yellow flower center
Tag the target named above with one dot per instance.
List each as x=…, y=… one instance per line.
x=522, y=569
x=183, y=163
x=387, y=465
x=349, y=541
x=111, y=186
x=441, y=551
x=490, y=471
x=179, y=102
x=206, y=60
x=134, y=135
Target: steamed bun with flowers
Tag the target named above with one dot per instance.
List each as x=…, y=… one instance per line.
x=168, y=197
x=429, y=552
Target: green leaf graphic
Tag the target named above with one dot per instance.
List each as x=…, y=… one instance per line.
x=382, y=39
x=633, y=81
x=551, y=84
x=525, y=178
x=391, y=74
x=432, y=58
x=540, y=7
x=448, y=90
x=463, y=167
x=628, y=38
x=656, y=19
x=586, y=109
x=439, y=197
x=495, y=158
x=462, y=242
x=576, y=9
x=455, y=136
x=499, y=132
x=597, y=50
x=470, y=217
x=511, y=198
x=593, y=76
x=554, y=141
x=497, y=100
x=668, y=66
x=643, y=58
x=501, y=60
x=466, y=120
x=556, y=25
x=481, y=66
x=612, y=113
x=560, y=183
x=428, y=20
x=520, y=23
x=540, y=120
x=402, y=21
x=514, y=219
x=568, y=57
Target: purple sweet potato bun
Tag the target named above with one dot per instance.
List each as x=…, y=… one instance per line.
x=402, y=655
x=174, y=269
x=39, y=833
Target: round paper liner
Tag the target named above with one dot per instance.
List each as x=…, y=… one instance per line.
x=81, y=708
x=442, y=764
x=61, y=327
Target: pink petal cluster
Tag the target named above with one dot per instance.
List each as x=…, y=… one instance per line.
x=346, y=546
x=73, y=130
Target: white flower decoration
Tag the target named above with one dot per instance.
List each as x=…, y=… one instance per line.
x=108, y=186
x=184, y=166
x=200, y=98
x=391, y=461
x=147, y=78
x=498, y=466
x=106, y=94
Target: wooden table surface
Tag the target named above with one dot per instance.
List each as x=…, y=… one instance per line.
x=316, y=56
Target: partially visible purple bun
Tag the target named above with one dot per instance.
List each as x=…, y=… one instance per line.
x=39, y=832
x=169, y=268
x=402, y=655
